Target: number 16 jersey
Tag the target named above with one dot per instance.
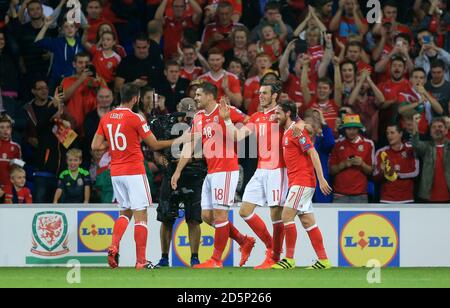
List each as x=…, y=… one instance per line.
x=124, y=131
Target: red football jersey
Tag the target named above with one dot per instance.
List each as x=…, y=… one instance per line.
x=106, y=66
x=191, y=75
x=233, y=83
x=351, y=181
x=124, y=131
x=407, y=168
x=214, y=27
x=173, y=32
x=8, y=150
x=298, y=163
x=411, y=96
x=269, y=136
x=220, y=153
x=292, y=87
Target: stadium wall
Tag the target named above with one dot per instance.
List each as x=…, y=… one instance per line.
x=400, y=236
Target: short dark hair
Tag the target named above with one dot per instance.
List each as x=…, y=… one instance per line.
x=35, y=82
x=34, y=1
x=289, y=106
x=82, y=54
x=325, y=80
x=141, y=37
x=397, y=127
x=438, y=63
x=419, y=69
x=404, y=36
x=353, y=44
x=390, y=3
x=170, y=63
x=215, y=51
x=209, y=88
x=224, y=4
x=399, y=59
x=129, y=91
x=353, y=64
x=276, y=87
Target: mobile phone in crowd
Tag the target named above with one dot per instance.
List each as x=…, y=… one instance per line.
x=427, y=39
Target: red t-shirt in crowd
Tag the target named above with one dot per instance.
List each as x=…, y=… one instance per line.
x=439, y=191
x=233, y=83
x=274, y=53
x=330, y=111
x=351, y=181
x=220, y=153
x=8, y=150
x=191, y=75
x=124, y=131
x=268, y=135
x=106, y=66
x=407, y=168
x=298, y=163
x=214, y=27
x=173, y=32
x=292, y=87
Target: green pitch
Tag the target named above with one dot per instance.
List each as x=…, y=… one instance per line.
x=227, y=278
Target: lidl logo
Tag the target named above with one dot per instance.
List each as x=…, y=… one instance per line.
x=365, y=236
x=95, y=230
x=181, y=248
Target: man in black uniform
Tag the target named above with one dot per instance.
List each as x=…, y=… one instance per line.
x=188, y=195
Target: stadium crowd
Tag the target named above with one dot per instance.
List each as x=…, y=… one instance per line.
x=376, y=95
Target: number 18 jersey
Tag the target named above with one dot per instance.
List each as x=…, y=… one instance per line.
x=124, y=131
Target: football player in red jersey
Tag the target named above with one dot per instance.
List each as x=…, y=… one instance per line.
x=121, y=130
x=301, y=160
x=220, y=185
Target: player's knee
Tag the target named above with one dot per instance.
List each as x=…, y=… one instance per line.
x=245, y=211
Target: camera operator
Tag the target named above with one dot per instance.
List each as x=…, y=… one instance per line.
x=188, y=194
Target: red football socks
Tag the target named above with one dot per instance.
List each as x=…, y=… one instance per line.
x=278, y=239
x=140, y=237
x=317, y=242
x=236, y=235
x=221, y=235
x=291, y=239
x=259, y=227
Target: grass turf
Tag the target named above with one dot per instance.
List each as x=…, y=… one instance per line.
x=226, y=278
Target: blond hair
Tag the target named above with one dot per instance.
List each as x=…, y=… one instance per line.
x=16, y=169
x=75, y=153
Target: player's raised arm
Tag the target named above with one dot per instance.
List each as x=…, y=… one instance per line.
x=324, y=186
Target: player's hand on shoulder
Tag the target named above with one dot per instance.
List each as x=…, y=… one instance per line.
x=224, y=108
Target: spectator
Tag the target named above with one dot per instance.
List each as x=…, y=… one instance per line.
x=366, y=100
x=348, y=20
x=106, y=27
x=429, y=51
x=351, y=162
x=436, y=18
x=188, y=55
x=9, y=76
x=34, y=60
x=272, y=17
x=438, y=86
x=16, y=192
x=271, y=43
x=154, y=34
x=9, y=150
x=240, y=40
x=95, y=20
x=74, y=183
x=396, y=168
x=174, y=26
x=104, y=56
x=48, y=153
x=321, y=100
x=139, y=68
x=348, y=72
x=152, y=104
x=252, y=85
x=226, y=83
x=212, y=8
x=80, y=90
x=104, y=101
x=354, y=52
x=435, y=154
x=218, y=33
x=236, y=68
x=64, y=50
x=324, y=11
x=390, y=19
x=173, y=87
x=323, y=139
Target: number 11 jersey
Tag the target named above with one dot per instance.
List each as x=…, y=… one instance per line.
x=124, y=131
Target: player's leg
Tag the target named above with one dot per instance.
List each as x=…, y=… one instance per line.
x=315, y=235
x=140, y=199
x=255, y=195
x=278, y=232
x=121, y=224
x=290, y=211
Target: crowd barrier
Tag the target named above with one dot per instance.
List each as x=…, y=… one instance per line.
x=393, y=235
